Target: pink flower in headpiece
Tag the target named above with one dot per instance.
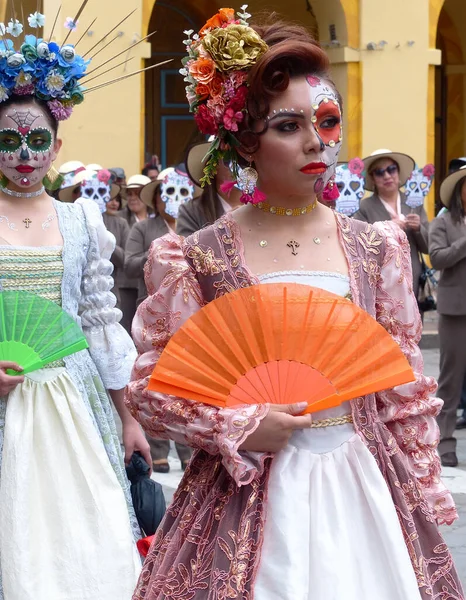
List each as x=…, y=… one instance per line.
x=59, y=111
x=216, y=107
x=231, y=119
x=356, y=166
x=24, y=90
x=104, y=175
x=428, y=170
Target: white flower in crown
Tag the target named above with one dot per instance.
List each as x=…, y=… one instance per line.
x=14, y=28
x=55, y=82
x=23, y=79
x=2, y=29
x=36, y=20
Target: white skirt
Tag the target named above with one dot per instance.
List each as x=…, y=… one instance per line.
x=331, y=529
x=64, y=526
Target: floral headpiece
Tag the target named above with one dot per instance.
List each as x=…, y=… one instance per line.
x=216, y=72
x=51, y=72
x=40, y=68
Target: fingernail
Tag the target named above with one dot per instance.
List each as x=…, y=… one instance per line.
x=301, y=405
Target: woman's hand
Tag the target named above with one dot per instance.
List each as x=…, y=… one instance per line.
x=401, y=223
x=413, y=221
x=9, y=382
x=276, y=428
x=134, y=440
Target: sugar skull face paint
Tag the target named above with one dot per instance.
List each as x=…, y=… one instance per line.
x=27, y=144
x=175, y=189
x=299, y=148
x=327, y=121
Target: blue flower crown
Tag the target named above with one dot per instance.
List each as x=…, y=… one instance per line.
x=42, y=69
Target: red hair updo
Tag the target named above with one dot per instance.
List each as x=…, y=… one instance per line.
x=292, y=52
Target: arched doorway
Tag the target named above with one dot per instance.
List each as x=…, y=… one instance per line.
x=450, y=97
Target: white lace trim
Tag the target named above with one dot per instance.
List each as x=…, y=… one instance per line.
x=301, y=273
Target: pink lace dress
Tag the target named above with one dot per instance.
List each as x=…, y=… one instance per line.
x=364, y=500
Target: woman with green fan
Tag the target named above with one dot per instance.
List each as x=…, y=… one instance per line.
x=276, y=505
x=67, y=525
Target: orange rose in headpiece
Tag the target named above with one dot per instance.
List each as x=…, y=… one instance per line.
x=202, y=69
x=224, y=15
x=216, y=85
x=203, y=91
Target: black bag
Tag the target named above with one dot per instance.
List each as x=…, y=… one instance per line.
x=428, y=284
x=148, y=499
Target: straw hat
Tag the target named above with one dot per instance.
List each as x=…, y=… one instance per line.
x=70, y=167
x=94, y=167
x=137, y=181
x=448, y=185
x=147, y=192
x=195, y=162
x=405, y=163
x=66, y=194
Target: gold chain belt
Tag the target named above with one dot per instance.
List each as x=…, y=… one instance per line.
x=333, y=421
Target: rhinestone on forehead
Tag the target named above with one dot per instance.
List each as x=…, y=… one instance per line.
x=274, y=112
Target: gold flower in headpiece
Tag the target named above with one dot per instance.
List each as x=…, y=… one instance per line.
x=234, y=47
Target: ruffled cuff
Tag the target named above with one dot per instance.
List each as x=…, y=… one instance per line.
x=232, y=429
x=443, y=507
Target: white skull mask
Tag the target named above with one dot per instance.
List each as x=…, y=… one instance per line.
x=350, y=181
x=176, y=189
x=418, y=185
x=97, y=188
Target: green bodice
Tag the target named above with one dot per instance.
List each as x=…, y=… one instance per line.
x=35, y=270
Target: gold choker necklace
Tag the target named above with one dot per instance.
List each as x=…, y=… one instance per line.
x=281, y=211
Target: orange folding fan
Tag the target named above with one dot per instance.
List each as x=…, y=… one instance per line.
x=279, y=343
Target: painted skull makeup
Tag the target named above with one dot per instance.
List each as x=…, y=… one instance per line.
x=327, y=121
x=26, y=145
x=175, y=189
x=98, y=188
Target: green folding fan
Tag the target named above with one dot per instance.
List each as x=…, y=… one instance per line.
x=35, y=332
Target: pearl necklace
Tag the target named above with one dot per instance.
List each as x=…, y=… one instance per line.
x=281, y=211
x=22, y=194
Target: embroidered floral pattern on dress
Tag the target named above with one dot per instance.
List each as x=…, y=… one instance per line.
x=204, y=542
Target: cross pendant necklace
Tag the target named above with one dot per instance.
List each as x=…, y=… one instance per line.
x=27, y=222
x=293, y=245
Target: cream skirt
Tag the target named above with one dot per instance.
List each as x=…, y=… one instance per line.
x=64, y=525
x=331, y=530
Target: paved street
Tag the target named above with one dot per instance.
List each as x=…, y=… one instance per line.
x=455, y=536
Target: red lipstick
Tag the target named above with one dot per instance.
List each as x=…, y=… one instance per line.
x=25, y=169
x=314, y=168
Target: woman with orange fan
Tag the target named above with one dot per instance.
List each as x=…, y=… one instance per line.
x=277, y=505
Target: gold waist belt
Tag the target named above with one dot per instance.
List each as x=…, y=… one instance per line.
x=333, y=421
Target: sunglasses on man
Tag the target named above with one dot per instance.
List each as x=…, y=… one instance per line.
x=391, y=170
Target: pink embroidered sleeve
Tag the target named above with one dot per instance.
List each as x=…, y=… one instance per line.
x=409, y=411
x=175, y=295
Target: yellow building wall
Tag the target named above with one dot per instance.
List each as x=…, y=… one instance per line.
x=106, y=128
x=389, y=92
